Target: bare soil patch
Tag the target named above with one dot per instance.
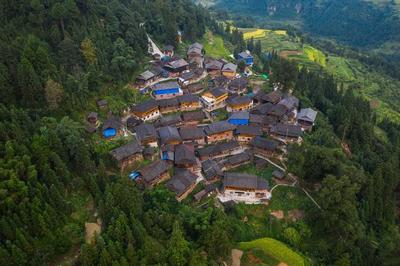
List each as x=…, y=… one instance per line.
x=91, y=229
x=286, y=53
x=236, y=257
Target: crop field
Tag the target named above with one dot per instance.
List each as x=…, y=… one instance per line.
x=260, y=33
x=275, y=249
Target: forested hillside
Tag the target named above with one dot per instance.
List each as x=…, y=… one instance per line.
x=57, y=58
x=357, y=22
x=63, y=51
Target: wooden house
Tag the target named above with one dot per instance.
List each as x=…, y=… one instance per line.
x=146, y=78
x=219, y=131
x=193, y=135
x=241, y=187
x=112, y=127
x=146, y=134
x=213, y=67
x=238, y=103
x=264, y=147
x=195, y=50
x=237, y=160
x=292, y=104
x=150, y=153
x=229, y=70
x=193, y=118
x=169, y=135
x=273, y=97
x=170, y=120
x=246, y=133
x=287, y=132
x=133, y=122
x=155, y=173
x=182, y=184
x=189, y=102
x=167, y=90
x=306, y=118
x=212, y=171
x=127, y=155
x=214, y=99
x=102, y=103
x=147, y=111
x=195, y=88
x=170, y=105
x=246, y=57
x=185, y=157
x=238, y=86
x=219, y=150
x=176, y=67
x=220, y=82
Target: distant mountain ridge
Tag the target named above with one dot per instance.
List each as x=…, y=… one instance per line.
x=359, y=23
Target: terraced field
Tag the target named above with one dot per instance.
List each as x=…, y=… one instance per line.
x=380, y=90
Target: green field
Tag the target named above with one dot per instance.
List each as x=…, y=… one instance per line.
x=214, y=46
x=275, y=249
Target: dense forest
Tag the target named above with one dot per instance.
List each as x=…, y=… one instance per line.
x=55, y=58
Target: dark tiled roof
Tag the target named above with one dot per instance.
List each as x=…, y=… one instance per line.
x=264, y=144
x=218, y=148
x=214, y=65
x=187, y=75
x=168, y=134
x=132, y=122
x=287, y=130
x=248, y=130
x=177, y=63
x=230, y=67
x=153, y=170
x=148, y=151
x=165, y=103
x=102, y=103
x=193, y=116
x=112, y=122
x=146, y=75
x=211, y=169
x=256, y=119
x=146, y=131
x=273, y=97
x=239, y=100
x=191, y=133
x=218, y=127
x=126, y=151
x=184, y=154
x=188, y=98
x=218, y=92
x=166, y=85
x=307, y=114
x=245, y=181
x=93, y=115
x=278, y=110
x=240, y=115
x=238, y=158
x=238, y=83
x=181, y=182
x=195, y=87
x=262, y=109
x=145, y=106
x=169, y=120
x=290, y=102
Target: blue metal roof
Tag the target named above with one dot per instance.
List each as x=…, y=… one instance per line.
x=239, y=121
x=134, y=175
x=109, y=132
x=166, y=91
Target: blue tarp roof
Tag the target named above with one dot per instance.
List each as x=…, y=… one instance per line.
x=166, y=91
x=239, y=121
x=134, y=175
x=109, y=132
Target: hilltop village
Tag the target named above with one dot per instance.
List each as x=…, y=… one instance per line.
x=190, y=132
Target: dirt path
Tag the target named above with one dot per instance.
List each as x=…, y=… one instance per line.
x=236, y=257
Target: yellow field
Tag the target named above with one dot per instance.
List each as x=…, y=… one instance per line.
x=260, y=33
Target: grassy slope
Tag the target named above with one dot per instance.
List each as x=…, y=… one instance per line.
x=214, y=46
x=275, y=249
x=374, y=86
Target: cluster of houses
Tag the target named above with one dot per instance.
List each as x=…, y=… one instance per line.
x=176, y=132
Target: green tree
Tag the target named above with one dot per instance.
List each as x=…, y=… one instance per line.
x=178, y=247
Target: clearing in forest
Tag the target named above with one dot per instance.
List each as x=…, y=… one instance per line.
x=276, y=250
